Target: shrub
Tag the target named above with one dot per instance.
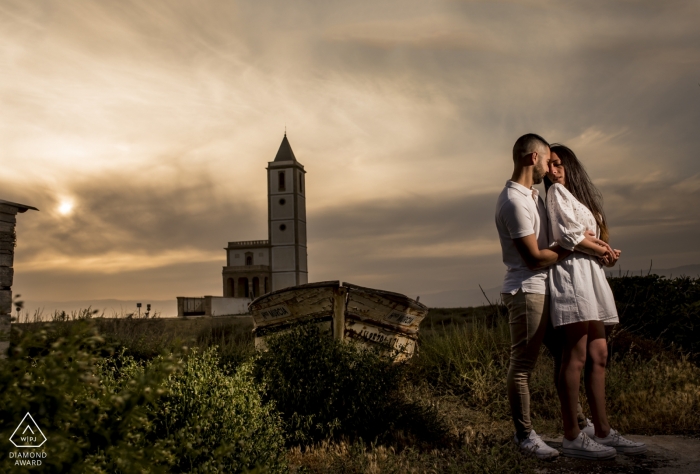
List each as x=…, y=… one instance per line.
x=214, y=422
x=327, y=389
x=89, y=428
x=104, y=413
x=659, y=308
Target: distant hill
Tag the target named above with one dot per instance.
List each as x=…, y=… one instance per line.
x=474, y=297
x=685, y=270
x=461, y=298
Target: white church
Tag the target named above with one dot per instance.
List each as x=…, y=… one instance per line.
x=256, y=267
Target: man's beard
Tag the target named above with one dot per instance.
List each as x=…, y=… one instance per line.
x=538, y=175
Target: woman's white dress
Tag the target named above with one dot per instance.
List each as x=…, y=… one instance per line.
x=578, y=288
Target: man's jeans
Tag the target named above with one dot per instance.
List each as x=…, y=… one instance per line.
x=530, y=327
x=528, y=315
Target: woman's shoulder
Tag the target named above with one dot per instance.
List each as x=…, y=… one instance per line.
x=558, y=187
x=558, y=191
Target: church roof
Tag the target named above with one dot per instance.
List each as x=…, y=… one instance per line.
x=285, y=152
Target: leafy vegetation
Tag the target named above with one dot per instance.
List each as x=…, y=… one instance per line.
x=660, y=309
x=133, y=395
x=110, y=413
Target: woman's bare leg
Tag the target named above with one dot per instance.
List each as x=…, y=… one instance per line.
x=594, y=377
x=573, y=361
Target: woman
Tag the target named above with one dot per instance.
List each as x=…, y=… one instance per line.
x=582, y=304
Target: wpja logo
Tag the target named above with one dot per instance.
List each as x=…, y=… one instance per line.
x=28, y=435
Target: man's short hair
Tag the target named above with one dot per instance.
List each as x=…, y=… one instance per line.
x=526, y=144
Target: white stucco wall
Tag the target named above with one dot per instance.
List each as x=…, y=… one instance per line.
x=302, y=259
x=261, y=256
x=225, y=306
x=283, y=260
x=279, y=236
x=283, y=280
x=288, y=180
x=301, y=208
x=302, y=233
x=282, y=211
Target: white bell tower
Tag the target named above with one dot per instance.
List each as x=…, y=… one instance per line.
x=286, y=191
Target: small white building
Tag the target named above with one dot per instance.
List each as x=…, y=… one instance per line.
x=256, y=267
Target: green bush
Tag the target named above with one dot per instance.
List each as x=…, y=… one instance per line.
x=659, y=308
x=89, y=428
x=105, y=413
x=214, y=422
x=326, y=389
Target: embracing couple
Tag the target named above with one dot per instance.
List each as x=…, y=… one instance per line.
x=557, y=295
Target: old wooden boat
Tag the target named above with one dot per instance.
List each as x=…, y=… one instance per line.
x=369, y=317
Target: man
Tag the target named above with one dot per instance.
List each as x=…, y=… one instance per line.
x=522, y=226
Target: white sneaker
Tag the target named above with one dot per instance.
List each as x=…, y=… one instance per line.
x=585, y=448
x=622, y=445
x=589, y=429
x=534, y=445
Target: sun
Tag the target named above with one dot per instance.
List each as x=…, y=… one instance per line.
x=65, y=208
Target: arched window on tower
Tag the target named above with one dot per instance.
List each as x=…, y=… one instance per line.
x=231, y=288
x=248, y=258
x=301, y=183
x=280, y=178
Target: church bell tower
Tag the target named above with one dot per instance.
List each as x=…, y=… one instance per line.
x=286, y=200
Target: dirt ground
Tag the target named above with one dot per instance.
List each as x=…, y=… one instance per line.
x=666, y=454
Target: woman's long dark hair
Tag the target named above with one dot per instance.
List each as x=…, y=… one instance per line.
x=577, y=181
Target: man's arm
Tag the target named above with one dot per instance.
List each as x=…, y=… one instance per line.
x=536, y=258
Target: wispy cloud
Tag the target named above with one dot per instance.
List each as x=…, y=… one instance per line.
x=157, y=119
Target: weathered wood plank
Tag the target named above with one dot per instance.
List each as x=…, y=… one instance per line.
x=403, y=314
x=4, y=217
x=7, y=247
x=339, y=313
x=7, y=236
x=4, y=326
x=371, y=318
x=4, y=335
x=5, y=302
x=400, y=346
x=8, y=209
x=6, y=275
x=6, y=259
x=7, y=227
x=301, y=302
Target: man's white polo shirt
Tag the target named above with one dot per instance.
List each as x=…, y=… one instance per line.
x=520, y=212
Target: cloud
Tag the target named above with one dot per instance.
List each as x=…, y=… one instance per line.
x=158, y=118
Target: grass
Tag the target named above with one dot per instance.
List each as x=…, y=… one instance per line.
x=456, y=382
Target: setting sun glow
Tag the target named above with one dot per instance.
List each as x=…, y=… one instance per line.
x=65, y=208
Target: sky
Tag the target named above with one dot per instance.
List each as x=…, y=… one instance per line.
x=142, y=129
